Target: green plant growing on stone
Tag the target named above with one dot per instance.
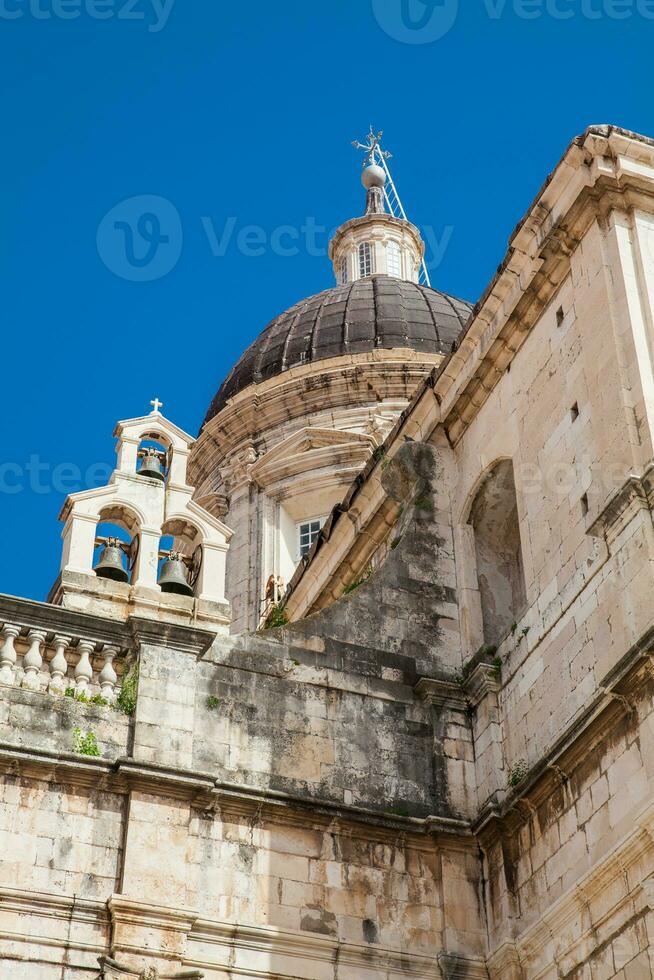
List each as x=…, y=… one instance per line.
x=424, y=503
x=525, y=631
x=126, y=700
x=353, y=586
x=83, y=698
x=398, y=811
x=98, y=699
x=514, y=627
x=85, y=743
x=379, y=453
x=212, y=702
x=497, y=667
x=276, y=617
x=517, y=773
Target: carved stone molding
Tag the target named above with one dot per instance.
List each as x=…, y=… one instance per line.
x=505, y=964
x=636, y=493
x=113, y=970
x=482, y=681
x=237, y=471
x=441, y=694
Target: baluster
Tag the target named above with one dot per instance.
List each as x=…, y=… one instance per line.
x=108, y=676
x=84, y=670
x=59, y=665
x=33, y=659
x=8, y=653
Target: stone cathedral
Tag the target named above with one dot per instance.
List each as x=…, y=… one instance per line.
x=359, y=684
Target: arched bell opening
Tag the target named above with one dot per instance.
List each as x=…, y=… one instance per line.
x=154, y=456
x=116, y=544
x=180, y=557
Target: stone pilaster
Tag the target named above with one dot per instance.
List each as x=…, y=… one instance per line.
x=482, y=686
x=454, y=759
x=168, y=656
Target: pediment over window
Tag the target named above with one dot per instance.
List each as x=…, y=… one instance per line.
x=311, y=450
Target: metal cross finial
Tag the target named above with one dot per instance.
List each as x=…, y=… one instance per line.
x=156, y=405
x=372, y=147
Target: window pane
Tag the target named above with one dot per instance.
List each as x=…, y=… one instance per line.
x=308, y=532
x=344, y=270
x=393, y=259
x=365, y=259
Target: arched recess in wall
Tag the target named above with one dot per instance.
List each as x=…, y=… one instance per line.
x=498, y=552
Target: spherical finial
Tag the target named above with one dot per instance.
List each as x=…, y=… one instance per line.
x=373, y=176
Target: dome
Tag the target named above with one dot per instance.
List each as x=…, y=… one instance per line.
x=361, y=316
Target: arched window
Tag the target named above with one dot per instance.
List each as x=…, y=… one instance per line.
x=393, y=260
x=344, y=276
x=365, y=259
x=498, y=551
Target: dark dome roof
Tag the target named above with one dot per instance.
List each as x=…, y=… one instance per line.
x=361, y=316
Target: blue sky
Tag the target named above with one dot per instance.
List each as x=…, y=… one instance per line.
x=242, y=115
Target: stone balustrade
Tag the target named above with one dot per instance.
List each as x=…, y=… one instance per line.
x=45, y=660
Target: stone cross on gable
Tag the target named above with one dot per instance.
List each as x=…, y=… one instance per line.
x=156, y=405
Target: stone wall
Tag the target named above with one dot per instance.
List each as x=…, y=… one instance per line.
x=280, y=804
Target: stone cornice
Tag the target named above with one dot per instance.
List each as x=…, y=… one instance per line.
x=360, y=381
x=636, y=493
x=118, y=971
x=186, y=639
x=283, y=944
x=59, y=620
x=441, y=693
x=204, y=792
x=579, y=193
x=365, y=221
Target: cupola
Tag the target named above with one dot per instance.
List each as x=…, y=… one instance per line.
x=379, y=242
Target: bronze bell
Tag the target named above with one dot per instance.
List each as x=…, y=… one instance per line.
x=151, y=464
x=110, y=564
x=173, y=575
